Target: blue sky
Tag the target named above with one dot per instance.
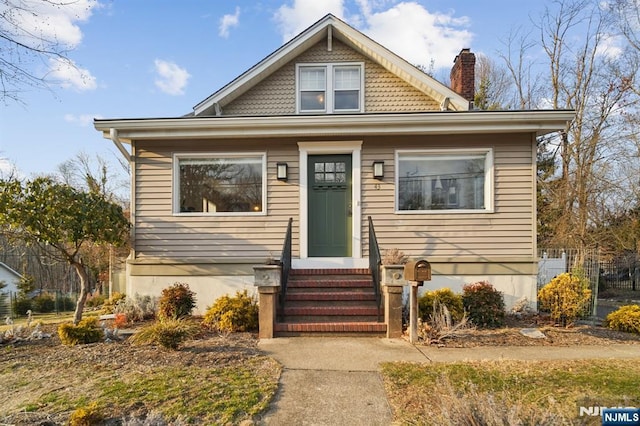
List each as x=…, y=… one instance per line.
x=144, y=58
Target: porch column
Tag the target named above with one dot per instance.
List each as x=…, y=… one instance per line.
x=267, y=279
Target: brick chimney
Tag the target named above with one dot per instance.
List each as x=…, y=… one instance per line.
x=463, y=74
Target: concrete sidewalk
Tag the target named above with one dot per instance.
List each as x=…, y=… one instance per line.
x=336, y=381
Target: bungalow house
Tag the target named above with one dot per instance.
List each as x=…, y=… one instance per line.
x=336, y=133
x=9, y=278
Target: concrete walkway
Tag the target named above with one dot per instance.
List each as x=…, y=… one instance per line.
x=336, y=381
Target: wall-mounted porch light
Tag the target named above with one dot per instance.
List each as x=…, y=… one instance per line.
x=378, y=170
x=282, y=172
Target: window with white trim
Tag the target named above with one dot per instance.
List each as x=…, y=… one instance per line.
x=219, y=183
x=330, y=88
x=444, y=180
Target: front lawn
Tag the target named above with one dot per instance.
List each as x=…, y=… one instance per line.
x=509, y=392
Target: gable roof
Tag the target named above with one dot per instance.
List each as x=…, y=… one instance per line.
x=328, y=28
x=11, y=271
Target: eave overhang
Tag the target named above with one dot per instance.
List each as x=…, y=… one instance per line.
x=430, y=123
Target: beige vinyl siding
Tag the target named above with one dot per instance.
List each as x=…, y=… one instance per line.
x=384, y=91
x=161, y=233
x=508, y=232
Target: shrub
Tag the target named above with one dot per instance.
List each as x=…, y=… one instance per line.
x=443, y=296
x=176, y=301
x=87, y=331
x=94, y=301
x=86, y=416
x=120, y=321
x=484, y=304
x=231, y=314
x=110, y=304
x=565, y=297
x=44, y=303
x=65, y=303
x=440, y=325
x=137, y=308
x=21, y=305
x=169, y=333
x=627, y=319
x=394, y=257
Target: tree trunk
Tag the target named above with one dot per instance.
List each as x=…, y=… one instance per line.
x=82, y=298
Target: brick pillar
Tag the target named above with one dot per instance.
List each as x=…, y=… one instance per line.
x=463, y=74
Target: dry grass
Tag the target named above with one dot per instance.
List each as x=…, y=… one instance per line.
x=509, y=392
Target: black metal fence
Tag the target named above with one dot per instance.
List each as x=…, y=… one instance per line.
x=620, y=275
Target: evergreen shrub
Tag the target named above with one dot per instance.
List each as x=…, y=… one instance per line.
x=484, y=304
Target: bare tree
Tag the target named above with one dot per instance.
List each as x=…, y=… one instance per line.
x=595, y=82
x=29, y=45
x=493, y=84
x=95, y=174
x=519, y=60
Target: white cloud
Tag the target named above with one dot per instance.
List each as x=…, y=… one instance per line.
x=229, y=21
x=32, y=21
x=172, y=79
x=293, y=19
x=70, y=76
x=82, y=120
x=610, y=46
x=406, y=28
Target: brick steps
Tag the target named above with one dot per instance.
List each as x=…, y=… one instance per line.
x=330, y=302
x=331, y=329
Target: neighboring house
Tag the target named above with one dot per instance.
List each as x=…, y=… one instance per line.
x=9, y=277
x=453, y=185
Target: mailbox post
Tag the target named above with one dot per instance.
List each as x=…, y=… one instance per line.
x=416, y=272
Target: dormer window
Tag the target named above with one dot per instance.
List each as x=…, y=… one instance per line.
x=329, y=88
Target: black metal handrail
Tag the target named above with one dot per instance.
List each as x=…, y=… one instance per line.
x=375, y=260
x=285, y=261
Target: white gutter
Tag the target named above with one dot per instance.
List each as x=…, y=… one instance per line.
x=475, y=122
x=113, y=135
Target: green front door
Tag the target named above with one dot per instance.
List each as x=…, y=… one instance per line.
x=329, y=205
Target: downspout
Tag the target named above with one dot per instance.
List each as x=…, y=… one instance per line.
x=113, y=133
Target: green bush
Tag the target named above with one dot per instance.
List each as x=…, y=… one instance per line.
x=169, y=333
x=566, y=297
x=484, y=304
x=443, y=296
x=44, y=303
x=176, y=301
x=627, y=319
x=66, y=303
x=21, y=305
x=231, y=314
x=87, y=331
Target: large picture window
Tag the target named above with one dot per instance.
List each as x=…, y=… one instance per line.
x=220, y=183
x=444, y=180
x=330, y=87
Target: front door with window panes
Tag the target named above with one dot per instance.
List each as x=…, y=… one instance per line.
x=330, y=210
